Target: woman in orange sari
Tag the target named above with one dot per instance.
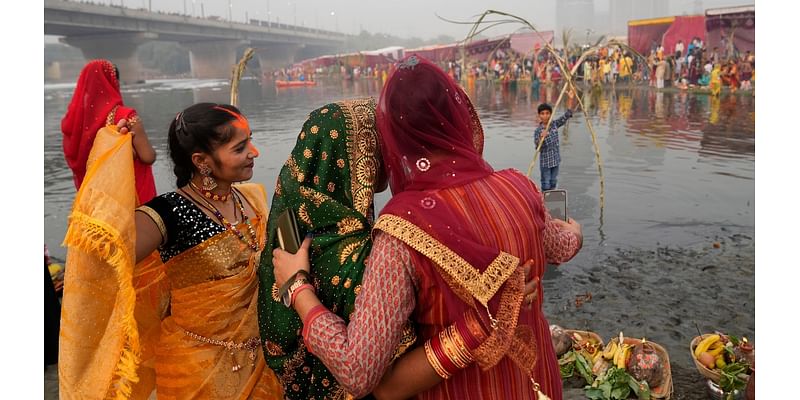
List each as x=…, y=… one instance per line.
x=182, y=320
x=97, y=102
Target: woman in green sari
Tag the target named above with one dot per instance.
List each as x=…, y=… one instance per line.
x=329, y=180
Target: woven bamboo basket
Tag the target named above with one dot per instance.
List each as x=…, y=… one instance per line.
x=585, y=334
x=577, y=382
x=664, y=390
x=708, y=373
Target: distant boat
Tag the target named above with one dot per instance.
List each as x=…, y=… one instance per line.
x=279, y=83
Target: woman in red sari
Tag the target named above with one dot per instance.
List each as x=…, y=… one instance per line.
x=97, y=102
x=447, y=244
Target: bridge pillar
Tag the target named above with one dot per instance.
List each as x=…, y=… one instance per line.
x=213, y=59
x=275, y=56
x=119, y=48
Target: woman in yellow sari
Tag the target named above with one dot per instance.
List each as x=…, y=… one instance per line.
x=182, y=320
x=715, y=84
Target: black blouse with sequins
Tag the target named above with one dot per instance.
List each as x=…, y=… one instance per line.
x=187, y=225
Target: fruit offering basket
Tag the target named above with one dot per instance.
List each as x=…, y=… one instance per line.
x=575, y=350
x=644, y=360
x=724, y=359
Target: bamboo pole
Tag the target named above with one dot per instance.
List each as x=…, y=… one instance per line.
x=568, y=84
x=236, y=74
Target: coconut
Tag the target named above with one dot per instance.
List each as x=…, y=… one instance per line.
x=644, y=364
x=561, y=340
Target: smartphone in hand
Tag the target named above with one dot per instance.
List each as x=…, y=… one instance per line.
x=288, y=232
x=556, y=202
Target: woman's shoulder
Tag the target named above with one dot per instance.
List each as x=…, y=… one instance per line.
x=166, y=203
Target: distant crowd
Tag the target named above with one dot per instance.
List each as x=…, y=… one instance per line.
x=686, y=66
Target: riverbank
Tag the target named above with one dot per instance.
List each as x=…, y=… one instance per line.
x=664, y=294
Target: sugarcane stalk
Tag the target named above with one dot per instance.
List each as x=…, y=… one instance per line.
x=568, y=84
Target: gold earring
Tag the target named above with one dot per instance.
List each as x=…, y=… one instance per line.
x=208, y=181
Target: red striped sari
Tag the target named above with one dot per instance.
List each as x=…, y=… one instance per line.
x=503, y=210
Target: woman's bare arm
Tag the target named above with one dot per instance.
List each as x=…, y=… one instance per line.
x=409, y=375
x=141, y=144
x=148, y=236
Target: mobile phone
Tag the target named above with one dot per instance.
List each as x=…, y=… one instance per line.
x=288, y=232
x=556, y=202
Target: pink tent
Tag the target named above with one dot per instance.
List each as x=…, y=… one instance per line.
x=437, y=53
x=684, y=28
x=525, y=43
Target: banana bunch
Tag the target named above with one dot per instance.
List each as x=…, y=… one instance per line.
x=621, y=356
x=710, y=351
x=617, y=352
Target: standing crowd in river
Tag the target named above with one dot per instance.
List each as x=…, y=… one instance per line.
x=685, y=66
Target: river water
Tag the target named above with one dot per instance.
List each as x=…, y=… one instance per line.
x=674, y=164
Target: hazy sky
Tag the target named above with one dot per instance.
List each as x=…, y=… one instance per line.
x=405, y=18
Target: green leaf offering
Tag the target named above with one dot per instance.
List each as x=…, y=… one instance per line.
x=730, y=377
x=617, y=384
x=584, y=368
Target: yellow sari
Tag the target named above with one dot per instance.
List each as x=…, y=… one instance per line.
x=715, y=84
x=187, y=328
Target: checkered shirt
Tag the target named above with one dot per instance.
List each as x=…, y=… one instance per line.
x=550, y=153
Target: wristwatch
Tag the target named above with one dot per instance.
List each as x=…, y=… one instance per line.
x=287, y=296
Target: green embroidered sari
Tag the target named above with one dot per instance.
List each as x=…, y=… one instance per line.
x=329, y=180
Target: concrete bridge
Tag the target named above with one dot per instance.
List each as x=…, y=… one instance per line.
x=114, y=33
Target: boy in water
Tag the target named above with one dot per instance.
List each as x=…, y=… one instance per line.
x=550, y=156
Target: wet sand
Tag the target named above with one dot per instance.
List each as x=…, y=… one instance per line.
x=663, y=294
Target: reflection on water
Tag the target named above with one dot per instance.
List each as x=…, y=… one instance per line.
x=674, y=163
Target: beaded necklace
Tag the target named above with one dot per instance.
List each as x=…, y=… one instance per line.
x=253, y=242
x=209, y=194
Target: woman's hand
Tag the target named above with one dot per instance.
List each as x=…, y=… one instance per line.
x=570, y=226
x=286, y=264
x=531, y=284
x=122, y=126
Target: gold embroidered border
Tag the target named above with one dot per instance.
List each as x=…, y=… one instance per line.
x=362, y=150
x=482, y=286
x=153, y=214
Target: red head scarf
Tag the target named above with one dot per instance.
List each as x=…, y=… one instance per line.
x=431, y=139
x=95, y=96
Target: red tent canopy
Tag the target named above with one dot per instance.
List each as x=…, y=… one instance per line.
x=684, y=28
x=644, y=32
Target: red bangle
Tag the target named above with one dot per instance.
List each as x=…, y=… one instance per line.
x=444, y=360
x=312, y=315
x=470, y=340
x=299, y=289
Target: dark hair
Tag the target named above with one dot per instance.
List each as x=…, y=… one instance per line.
x=116, y=71
x=200, y=128
x=544, y=106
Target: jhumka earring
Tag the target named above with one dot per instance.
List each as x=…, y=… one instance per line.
x=208, y=181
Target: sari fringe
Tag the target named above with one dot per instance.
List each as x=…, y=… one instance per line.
x=105, y=244
x=95, y=237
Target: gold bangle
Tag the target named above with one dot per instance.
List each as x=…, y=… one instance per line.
x=434, y=362
x=454, y=347
x=463, y=351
